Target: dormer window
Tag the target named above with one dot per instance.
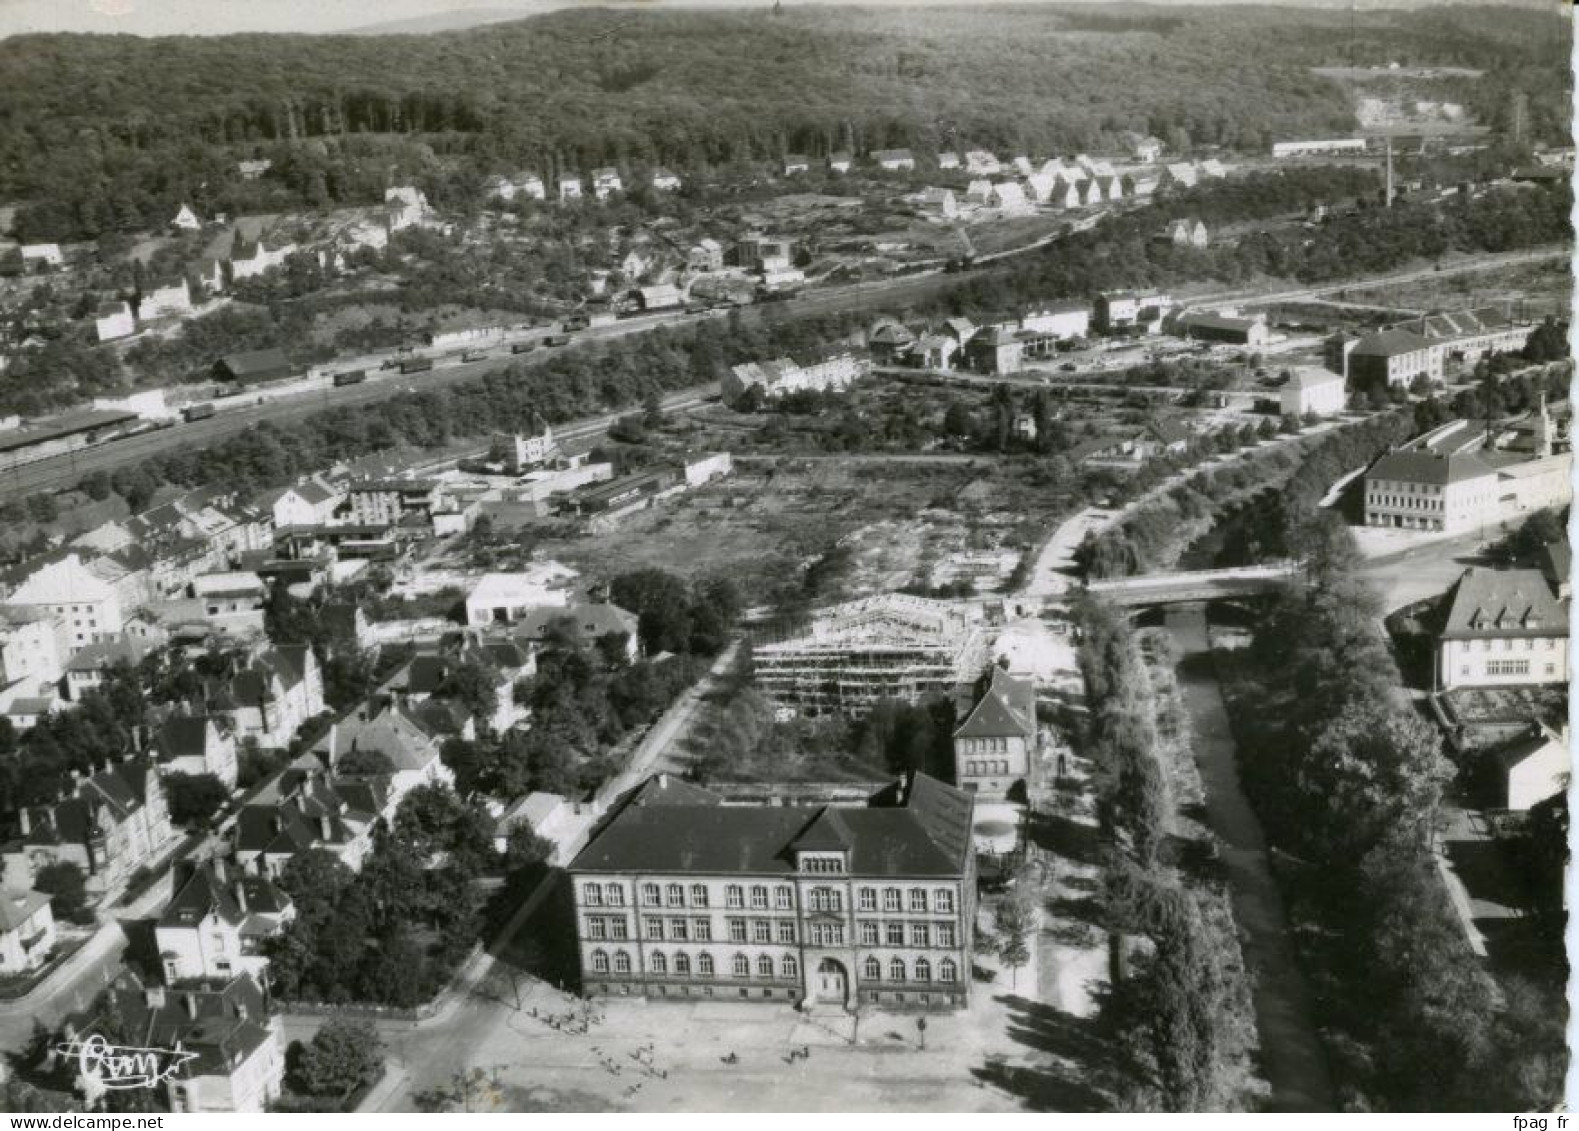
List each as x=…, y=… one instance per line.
x=822, y=863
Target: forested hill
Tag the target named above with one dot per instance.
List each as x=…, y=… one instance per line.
x=104, y=133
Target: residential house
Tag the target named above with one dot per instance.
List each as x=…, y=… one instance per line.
x=590, y=620
x=1185, y=233
x=304, y=808
x=938, y=202
x=1146, y=150
x=311, y=502
x=111, y=824
x=569, y=186
x=1212, y=168
x=252, y=170
x=895, y=160
x=410, y=737
x=996, y=349
x=889, y=342
x=796, y=163
x=831, y=370
x=1065, y=193
x=41, y=257
x=528, y=185
x=760, y=252
x=1022, y=165
x=27, y=931
x=1039, y=187
x=87, y=605
x=948, y=160
x=981, y=163
x=819, y=905
x=995, y=747
x=501, y=598
x=558, y=820
x=978, y=191
x=162, y=301
x=1556, y=562
x=207, y=277
x=270, y=694
x=32, y=648
x=1008, y=197
x=1180, y=175
x=407, y=207
x=186, y=220
x=665, y=181
x=839, y=162
x=426, y=677
x=86, y=669
x=1503, y=628
x=1121, y=311
x=114, y=320
x=217, y=920
x=706, y=256
x=196, y=745
x=606, y=182
x=1313, y=390
x=933, y=351
x=238, y=1051
x=1535, y=767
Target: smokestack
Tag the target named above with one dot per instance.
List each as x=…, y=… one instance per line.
x=1389, y=172
x=25, y=821
x=241, y=895
x=324, y=829
x=189, y=1000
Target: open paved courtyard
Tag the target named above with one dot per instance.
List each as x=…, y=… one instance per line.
x=670, y=1056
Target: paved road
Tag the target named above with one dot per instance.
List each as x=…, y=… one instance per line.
x=1292, y=1057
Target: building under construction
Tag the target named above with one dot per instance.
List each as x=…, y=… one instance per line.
x=892, y=646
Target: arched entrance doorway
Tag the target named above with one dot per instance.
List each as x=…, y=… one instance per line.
x=832, y=983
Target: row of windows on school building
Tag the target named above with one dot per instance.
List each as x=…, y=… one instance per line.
x=785, y=932
x=918, y=982
x=778, y=897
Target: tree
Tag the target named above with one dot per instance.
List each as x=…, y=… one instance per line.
x=344, y=1055
x=1014, y=919
x=194, y=798
x=524, y=848
x=957, y=421
x=67, y=888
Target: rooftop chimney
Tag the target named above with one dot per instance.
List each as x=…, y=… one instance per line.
x=189, y=1000
x=25, y=821
x=241, y=895
x=324, y=828
x=218, y=865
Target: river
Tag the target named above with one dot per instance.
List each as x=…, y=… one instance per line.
x=1292, y=1057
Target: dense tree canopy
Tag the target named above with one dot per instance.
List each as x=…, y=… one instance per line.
x=113, y=133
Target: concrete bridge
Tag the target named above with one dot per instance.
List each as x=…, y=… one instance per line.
x=1199, y=585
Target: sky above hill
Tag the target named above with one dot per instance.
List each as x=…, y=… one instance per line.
x=220, y=17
